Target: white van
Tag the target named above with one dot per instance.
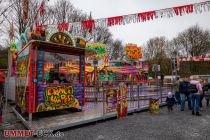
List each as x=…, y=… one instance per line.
x=168, y=79
x=203, y=77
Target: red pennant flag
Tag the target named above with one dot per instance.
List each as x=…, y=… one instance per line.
x=60, y=27
x=115, y=21
x=191, y=59
x=203, y=56
x=63, y=26
x=42, y=9
x=39, y=28
x=187, y=8
x=201, y=59
x=66, y=26
x=88, y=24
x=146, y=16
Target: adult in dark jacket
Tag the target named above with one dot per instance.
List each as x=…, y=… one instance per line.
x=184, y=93
x=177, y=93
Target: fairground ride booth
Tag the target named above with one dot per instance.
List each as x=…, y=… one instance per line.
x=50, y=74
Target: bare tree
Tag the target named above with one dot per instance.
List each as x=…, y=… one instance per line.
x=5, y=7
x=174, y=49
x=62, y=11
x=103, y=35
x=155, y=47
x=117, y=50
x=15, y=15
x=194, y=41
x=157, y=51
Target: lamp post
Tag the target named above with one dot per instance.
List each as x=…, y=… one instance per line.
x=106, y=64
x=174, y=66
x=139, y=67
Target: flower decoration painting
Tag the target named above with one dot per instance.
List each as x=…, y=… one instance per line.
x=133, y=52
x=100, y=49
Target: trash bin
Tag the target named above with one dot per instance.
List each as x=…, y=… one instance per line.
x=154, y=105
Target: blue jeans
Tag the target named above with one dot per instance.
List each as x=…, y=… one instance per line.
x=183, y=98
x=178, y=98
x=195, y=100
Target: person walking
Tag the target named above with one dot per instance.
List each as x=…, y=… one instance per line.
x=177, y=93
x=170, y=100
x=202, y=95
x=206, y=91
x=184, y=93
x=195, y=90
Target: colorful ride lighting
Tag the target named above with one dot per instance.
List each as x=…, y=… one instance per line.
x=69, y=64
x=139, y=65
x=106, y=62
x=48, y=66
x=65, y=70
x=133, y=52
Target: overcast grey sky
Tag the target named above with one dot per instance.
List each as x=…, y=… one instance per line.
x=139, y=33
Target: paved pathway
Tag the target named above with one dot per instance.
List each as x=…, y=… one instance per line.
x=175, y=125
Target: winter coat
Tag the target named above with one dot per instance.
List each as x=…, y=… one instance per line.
x=198, y=86
x=184, y=87
x=170, y=101
x=206, y=91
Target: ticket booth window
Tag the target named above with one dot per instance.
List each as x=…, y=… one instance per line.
x=61, y=68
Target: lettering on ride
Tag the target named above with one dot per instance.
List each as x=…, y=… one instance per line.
x=59, y=97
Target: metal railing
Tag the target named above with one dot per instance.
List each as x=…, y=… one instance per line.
x=138, y=95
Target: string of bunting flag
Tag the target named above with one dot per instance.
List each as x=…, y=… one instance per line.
x=204, y=57
x=39, y=14
x=90, y=25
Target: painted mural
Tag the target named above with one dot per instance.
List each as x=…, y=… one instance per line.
x=55, y=82
x=58, y=97
x=22, y=81
x=122, y=104
x=111, y=100
x=154, y=106
x=47, y=102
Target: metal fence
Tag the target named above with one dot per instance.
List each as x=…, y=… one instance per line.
x=138, y=95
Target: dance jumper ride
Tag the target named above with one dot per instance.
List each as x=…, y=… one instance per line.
x=50, y=74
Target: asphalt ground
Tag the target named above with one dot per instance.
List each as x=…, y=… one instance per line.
x=176, y=125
